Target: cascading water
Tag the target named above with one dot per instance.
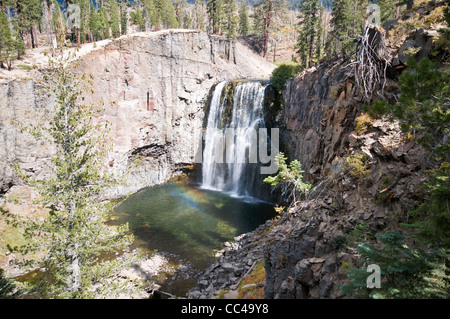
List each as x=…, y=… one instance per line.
x=189, y=222
x=229, y=156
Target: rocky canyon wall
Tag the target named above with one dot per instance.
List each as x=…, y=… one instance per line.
x=152, y=87
x=308, y=249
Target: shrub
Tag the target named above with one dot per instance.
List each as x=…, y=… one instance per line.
x=290, y=177
x=356, y=164
x=363, y=122
x=282, y=73
x=406, y=272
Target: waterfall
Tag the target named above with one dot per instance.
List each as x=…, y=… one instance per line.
x=229, y=156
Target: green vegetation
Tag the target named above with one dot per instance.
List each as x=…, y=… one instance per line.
x=347, y=23
x=282, y=73
x=290, y=178
x=244, y=24
x=406, y=272
x=359, y=234
x=8, y=289
x=309, y=43
x=251, y=286
x=265, y=14
x=423, y=106
x=10, y=47
x=357, y=164
x=72, y=241
x=363, y=122
x=422, y=271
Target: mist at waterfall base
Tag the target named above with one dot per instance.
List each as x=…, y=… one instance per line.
x=190, y=220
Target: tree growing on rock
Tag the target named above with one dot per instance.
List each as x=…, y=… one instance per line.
x=289, y=178
x=72, y=243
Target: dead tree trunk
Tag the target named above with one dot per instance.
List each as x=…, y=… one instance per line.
x=371, y=63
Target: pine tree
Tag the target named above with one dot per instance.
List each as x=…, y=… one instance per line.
x=230, y=23
x=166, y=14
x=5, y=31
x=265, y=13
x=289, y=178
x=73, y=240
x=406, y=272
x=82, y=29
x=149, y=13
x=28, y=15
x=10, y=48
x=387, y=9
x=342, y=22
x=310, y=32
x=199, y=14
x=243, y=18
x=137, y=18
x=215, y=12
x=180, y=11
x=123, y=18
x=114, y=18
x=98, y=24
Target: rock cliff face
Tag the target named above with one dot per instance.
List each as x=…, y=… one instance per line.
x=308, y=250
x=151, y=86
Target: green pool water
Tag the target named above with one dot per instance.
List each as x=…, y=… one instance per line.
x=188, y=221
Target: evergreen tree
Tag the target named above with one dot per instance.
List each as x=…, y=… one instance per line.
x=265, y=13
x=28, y=14
x=73, y=240
x=137, y=18
x=406, y=272
x=10, y=48
x=199, y=14
x=114, y=18
x=215, y=12
x=180, y=12
x=310, y=33
x=123, y=18
x=166, y=14
x=290, y=178
x=342, y=22
x=5, y=34
x=149, y=13
x=243, y=18
x=230, y=23
x=387, y=9
x=98, y=24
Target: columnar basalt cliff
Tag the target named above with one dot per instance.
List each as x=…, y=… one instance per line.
x=307, y=251
x=151, y=86
x=304, y=250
